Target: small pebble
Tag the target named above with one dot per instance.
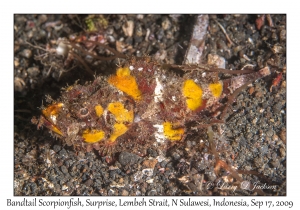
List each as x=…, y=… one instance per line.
x=166, y=24
x=128, y=28
x=126, y=158
x=26, y=53
x=150, y=163
x=137, y=176
x=125, y=193
x=148, y=171
x=214, y=59
x=64, y=169
x=33, y=71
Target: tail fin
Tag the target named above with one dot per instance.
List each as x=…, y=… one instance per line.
x=232, y=84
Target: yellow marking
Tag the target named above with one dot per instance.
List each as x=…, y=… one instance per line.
x=56, y=130
x=99, y=110
x=121, y=72
x=121, y=114
x=216, y=89
x=51, y=112
x=172, y=134
x=93, y=136
x=50, y=125
x=193, y=94
x=126, y=83
x=119, y=130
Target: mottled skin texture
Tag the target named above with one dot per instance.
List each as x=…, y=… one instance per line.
x=138, y=106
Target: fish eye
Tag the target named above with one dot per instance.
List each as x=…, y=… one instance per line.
x=83, y=112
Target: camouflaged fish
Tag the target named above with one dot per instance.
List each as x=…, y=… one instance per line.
x=141, y=105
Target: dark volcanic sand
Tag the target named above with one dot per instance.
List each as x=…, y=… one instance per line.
x=254, y=132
